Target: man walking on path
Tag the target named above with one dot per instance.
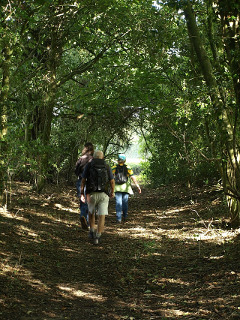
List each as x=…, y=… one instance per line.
x=86, y=156
x=122, y=173
x=97, y=177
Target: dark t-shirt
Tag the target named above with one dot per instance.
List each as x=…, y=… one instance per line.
x=85, y=173
x=91, y=184
x=81, y=163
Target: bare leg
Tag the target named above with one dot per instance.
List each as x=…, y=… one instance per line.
x=101, y=222
x=91, y=216
x=91, y=220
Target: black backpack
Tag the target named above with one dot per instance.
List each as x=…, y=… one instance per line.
x=121, y=174
x=78, y=170
x=98, y=179
x=81, y=163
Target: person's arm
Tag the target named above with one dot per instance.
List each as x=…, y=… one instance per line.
x=135, y=182
x=112, y=186
x=112, y=182
x=83, y=183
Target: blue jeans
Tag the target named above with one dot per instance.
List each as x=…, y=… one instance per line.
x=121, y=205
x=83, y=205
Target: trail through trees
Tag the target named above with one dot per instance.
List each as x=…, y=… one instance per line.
x=171, y=260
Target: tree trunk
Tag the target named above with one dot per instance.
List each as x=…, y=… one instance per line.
x=224, y=119
x=230, y=16
x=46, y=113
x=3, y=119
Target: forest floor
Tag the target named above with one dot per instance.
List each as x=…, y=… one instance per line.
x=175, y=258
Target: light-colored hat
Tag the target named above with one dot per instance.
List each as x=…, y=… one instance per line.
x=121, y=157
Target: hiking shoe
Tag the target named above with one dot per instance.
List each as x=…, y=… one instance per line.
x=96, y=240
x=84, y=223
x=91, y=234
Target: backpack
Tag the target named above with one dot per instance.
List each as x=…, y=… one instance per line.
x=121, y=174
x=78, y=170
x=98, y=178
x=81, y=163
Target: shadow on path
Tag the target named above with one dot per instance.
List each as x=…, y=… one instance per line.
x=171, y=260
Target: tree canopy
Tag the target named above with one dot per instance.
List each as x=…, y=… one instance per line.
x=102, y=70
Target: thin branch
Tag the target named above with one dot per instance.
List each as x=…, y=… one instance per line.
x=82, y=68
x=190, y=142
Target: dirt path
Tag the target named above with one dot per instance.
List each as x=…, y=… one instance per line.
x=171, y=260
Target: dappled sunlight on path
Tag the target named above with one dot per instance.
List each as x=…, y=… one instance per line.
x=170, y=260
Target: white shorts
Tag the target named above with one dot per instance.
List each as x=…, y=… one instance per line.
x=99, y=201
